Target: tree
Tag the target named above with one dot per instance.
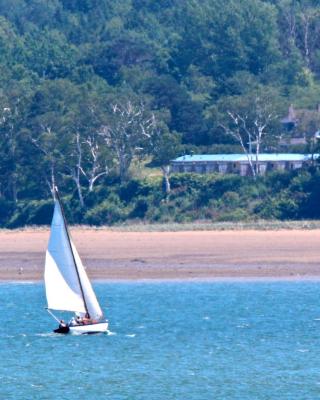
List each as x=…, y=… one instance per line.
x=308, y=126
x=251, y=120
x=92, y=158
x=165, y=147
x=13, y=107
x=48, y=143
x=51, y=126
x=127, y=132
x=299, y=23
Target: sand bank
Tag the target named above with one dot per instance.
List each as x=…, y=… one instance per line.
x=170, y=255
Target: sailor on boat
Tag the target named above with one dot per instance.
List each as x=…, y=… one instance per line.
x=67, y=285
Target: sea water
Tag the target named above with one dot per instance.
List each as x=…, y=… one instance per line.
x=236, y=340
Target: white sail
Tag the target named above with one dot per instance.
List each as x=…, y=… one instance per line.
x=93, y=306
x=62, y=276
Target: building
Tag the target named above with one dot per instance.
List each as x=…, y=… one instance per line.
x=301, y=118
x=238, y=163
x=300, y=127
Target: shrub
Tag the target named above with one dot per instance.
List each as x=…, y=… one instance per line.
x=278, y=180
x=134, y=188
x=109, y=212
x=32, y=213
x=231, y=199
x=236, y=215
x=227, y=183
x=309, y=202
x=7, y=209
x=267, y=209
x=140, y=209
x=189, y=182
x=288, y=208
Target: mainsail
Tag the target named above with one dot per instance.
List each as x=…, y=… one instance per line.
x=67, y=285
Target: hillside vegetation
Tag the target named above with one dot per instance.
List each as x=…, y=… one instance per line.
x=92, y=91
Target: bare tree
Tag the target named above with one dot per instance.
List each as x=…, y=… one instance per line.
x=250, y=121
x=310, y=24
x=299, y=23
x=75, y=169
x=127, y=132
x=87, y=159
x=98, y=165
x=46, y=144
x=287, y=19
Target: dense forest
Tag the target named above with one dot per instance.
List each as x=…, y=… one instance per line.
x=97, y=96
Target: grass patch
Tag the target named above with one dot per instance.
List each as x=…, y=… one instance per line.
x=261, y=225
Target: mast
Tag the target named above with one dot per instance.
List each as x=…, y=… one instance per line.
x=56, y=195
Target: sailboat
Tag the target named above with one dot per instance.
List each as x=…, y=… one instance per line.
x=67, y=285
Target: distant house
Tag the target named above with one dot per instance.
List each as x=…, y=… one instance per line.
x=291, y=120
x=300, y=124
x=238, y=163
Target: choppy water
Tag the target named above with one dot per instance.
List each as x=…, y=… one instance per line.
x=170, y=341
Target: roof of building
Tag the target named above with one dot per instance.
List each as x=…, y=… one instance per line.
x=242, y=157
x=295, y=116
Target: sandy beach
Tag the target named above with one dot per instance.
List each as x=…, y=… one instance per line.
x=112, y=255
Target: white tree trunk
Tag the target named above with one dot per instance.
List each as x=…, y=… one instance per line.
x=166, y=171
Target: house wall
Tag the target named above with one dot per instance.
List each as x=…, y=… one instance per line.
x=211, y=167
x=263, y=168
x=241, y=168
x=295, y=165
x=280, y=165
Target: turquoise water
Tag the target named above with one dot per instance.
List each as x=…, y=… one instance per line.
x=183, y=341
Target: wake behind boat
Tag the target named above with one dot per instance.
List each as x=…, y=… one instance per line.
x=66, y=282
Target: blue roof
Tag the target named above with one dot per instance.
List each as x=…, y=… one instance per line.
x=243, y=157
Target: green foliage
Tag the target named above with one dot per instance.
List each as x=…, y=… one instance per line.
x=281, y=195
x=140, y=209
x=64, y=63
x=31, y=213
x=134, y=189
x=108, y=212
x=234, y=216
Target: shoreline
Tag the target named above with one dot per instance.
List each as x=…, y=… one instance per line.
x=138, y=281
x=286, y=255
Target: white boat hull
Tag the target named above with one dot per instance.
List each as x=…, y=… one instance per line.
x=101, y=327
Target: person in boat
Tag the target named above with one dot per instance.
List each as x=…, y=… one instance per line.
x=86, y=319
x=79, y=320
x=62, y=324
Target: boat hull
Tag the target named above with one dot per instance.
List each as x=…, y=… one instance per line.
x=101, y=327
